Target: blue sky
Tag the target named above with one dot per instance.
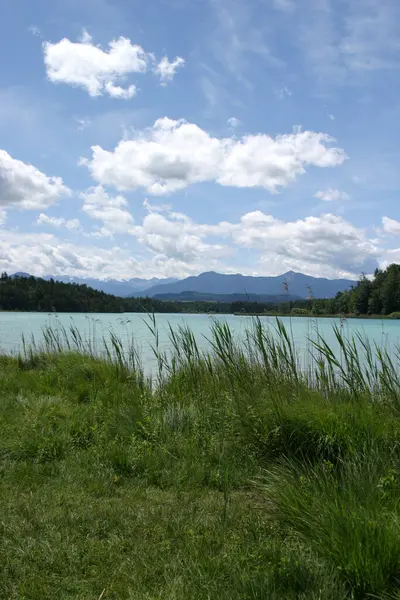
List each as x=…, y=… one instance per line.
x=167, y=138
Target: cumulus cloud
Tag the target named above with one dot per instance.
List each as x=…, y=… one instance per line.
x=43, y=254
x=283, y=92
x=58, y=222
x=390, y=257
x=35, y=30
x=391, y=226
x=98, y=71
x=116, y=91
x=331, y=195
x=233, y=122
x=326, y=244
x=111, y=210
x=175, y=154
x=166, y=70
x=177, y=237
x=82, y=124
x=175, y=245
x=151, y=207
x=25, y=187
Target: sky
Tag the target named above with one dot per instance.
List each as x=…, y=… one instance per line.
x=172, y=137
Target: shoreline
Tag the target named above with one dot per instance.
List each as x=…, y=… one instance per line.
x=216, y=314
x=309, y=316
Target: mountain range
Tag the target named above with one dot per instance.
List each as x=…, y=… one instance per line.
x=215, y=284
x=225, y=298
x=122, y=288
x=294, y=284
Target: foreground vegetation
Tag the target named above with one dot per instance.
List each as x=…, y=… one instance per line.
x=229, y=476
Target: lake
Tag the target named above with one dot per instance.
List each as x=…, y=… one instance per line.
x=133, y=325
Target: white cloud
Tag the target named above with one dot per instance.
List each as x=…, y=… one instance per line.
x=111, y=210
x=234, y=122
x=98, y=71
x=332, y=117
x=85, y=38
x=390, y=257
x=332, y=195
x=43, y=254
x=83, y=123
x=284, y=92
x=391, y=226
x=175, y=154
x=25, y=187
x=116, y=91
x=327, y=245
x=70, y=224
x=166, y=70
x=315, y=245
x=151, y=207
x=35, y=31
x=177, y=237
x=175, y=245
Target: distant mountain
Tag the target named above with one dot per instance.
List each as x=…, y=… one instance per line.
x=217, y=283
x=116, y=287
x=20, y=274
x=214, y=284
x=227, y=298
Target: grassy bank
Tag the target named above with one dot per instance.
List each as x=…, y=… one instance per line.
x=233, y=476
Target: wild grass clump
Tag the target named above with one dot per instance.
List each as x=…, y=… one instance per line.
x=233, y=473
x=349, y=517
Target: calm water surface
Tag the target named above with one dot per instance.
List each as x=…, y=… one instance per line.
x=133, y=325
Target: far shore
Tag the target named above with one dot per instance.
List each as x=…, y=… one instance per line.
x=216, y=314
x=311, y=316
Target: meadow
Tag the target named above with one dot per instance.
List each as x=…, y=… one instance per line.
x=230, y=475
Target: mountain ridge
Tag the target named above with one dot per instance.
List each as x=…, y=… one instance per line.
x=293, y=283
x=225, y=298
x=116, y=287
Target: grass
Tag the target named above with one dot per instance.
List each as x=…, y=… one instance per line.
x=232, y=475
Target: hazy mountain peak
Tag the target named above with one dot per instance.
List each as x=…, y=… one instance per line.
x=218, y=283
x=211, y=282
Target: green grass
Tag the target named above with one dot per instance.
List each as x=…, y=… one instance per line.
x=232, y=476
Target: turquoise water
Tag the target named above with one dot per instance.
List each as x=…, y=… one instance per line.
x=127, y=326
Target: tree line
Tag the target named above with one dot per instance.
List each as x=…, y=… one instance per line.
x=377, y=296
x=35, y=294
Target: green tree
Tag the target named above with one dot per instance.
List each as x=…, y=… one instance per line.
x=362, y=294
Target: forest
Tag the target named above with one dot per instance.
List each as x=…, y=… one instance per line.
x=35, y=294
x=379, y=296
